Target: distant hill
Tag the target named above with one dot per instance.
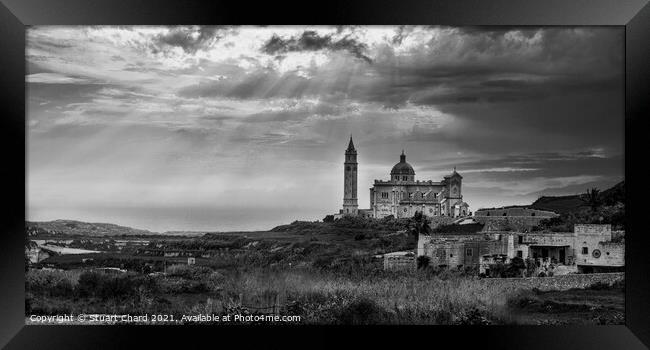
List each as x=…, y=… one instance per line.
x=576, y=203
x=72, y=227
x=613, y=195
x=560, y=204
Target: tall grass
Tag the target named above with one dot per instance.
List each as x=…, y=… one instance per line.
x=423, y=299
x=320, y=296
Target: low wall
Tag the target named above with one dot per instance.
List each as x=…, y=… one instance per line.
x=556, y=282
x=509, y=223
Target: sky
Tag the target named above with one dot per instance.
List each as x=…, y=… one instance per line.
x=244, y=128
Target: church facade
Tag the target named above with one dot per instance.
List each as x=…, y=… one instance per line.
x=402, y=195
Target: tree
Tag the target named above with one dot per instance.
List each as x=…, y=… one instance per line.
x=592, y=197
x=329, y=218
x=419, y=225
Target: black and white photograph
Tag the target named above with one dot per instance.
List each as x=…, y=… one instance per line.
x=325, y=175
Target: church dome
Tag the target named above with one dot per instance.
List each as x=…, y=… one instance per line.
x=402, y=168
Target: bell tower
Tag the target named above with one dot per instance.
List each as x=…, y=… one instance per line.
x=350, y=205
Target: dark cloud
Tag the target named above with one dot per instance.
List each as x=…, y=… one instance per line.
x=190, y=39
x=312, y=41
x=501, y=65
x=549, y=164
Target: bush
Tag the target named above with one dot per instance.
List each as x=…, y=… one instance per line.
x=192, y=272
x=90, y=283
x=423, y=261
x=52, y=283
x=322, y=262
x=473, y=317
x=179, y=285
x=105, y=286
x=362, y=311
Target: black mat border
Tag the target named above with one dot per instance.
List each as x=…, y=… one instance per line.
x=16, y=14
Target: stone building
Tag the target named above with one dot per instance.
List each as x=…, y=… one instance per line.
x=350, y=204
x=402, y=195
x=589, y=248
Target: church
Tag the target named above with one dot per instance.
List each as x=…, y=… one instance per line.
x=402, y=195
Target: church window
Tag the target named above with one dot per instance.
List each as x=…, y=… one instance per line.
x=585, y=250
x=468, y=251
x=504, y=214
x=347, y=168
x=533, y=214
x=404, y=178
x=384, y=195
x=405, y=210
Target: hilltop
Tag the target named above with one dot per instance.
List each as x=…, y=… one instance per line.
x=574, y=203
x=73, y=227
x=560, y=204
x=607, y=208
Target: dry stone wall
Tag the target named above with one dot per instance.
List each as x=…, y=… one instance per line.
x=556, y=282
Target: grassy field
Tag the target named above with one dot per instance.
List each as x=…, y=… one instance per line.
x=324, y=272
x=598, y=304
x=320, y=297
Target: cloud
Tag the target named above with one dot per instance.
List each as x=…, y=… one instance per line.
x=174, y=114
x=53, y=78
x=311, y=41
x=190, y=39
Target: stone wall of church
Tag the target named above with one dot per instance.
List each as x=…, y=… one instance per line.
x=407, y=211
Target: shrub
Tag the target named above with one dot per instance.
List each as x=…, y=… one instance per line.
x=89, y=283
x=179, y=285
x=52, y=283
x=362, y=311
x=322, y=262
x=497, y=270
x=215, y=281
x=189, y=271
x=474, y=317
x=423, y=261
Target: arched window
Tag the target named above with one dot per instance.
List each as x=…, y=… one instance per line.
x=347, y=168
